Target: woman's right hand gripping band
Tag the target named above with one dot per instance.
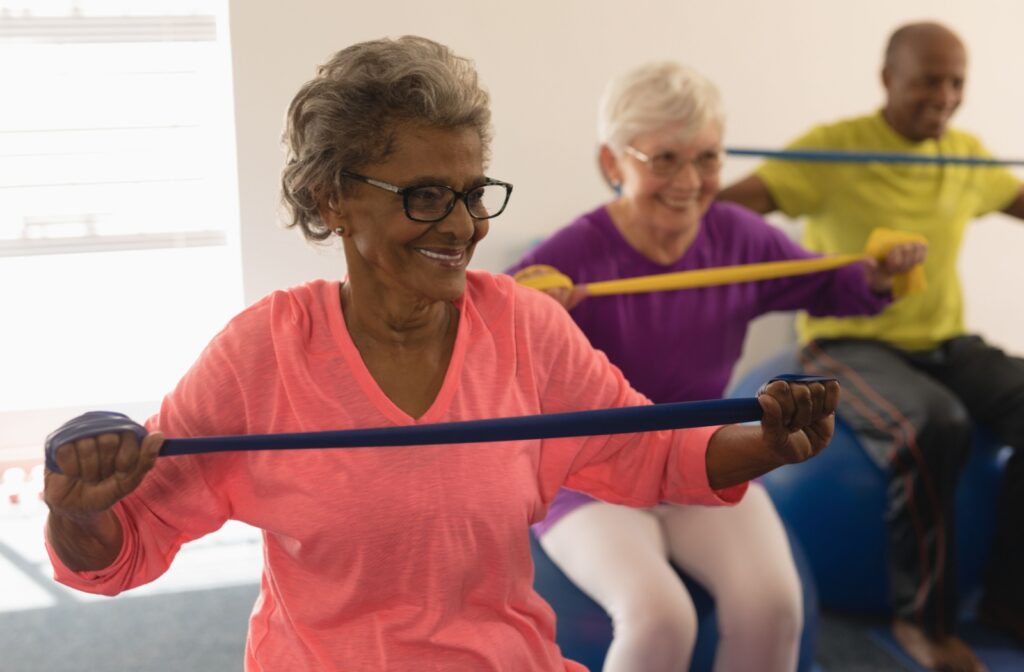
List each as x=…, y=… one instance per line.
x=96, y=459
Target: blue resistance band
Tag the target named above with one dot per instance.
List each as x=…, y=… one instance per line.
x=627, y=420
x=825, y=156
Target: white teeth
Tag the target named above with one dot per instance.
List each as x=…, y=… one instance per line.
x=677, y=204
x=454, y=256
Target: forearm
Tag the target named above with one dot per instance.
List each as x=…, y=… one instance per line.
x=752, y=193
x=86, y=543
x=1016, y=207
x=850, y=291
x=737, y=454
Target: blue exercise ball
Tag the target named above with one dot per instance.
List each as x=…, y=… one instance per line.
x=835, y=505
x=584, y=631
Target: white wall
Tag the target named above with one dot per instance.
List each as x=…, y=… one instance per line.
x=781, y=66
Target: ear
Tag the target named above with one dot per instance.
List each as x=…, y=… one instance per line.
x=886, y=77
x=331, y=214
x=609, y=165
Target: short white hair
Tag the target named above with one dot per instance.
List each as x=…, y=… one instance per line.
x=653, y=96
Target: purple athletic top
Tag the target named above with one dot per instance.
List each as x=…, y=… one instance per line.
x=682, y=345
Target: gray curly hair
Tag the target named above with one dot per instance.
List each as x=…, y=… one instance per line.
x=344, y=118
x=652, y=96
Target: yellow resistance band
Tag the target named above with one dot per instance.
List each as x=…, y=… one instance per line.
x=878, y=246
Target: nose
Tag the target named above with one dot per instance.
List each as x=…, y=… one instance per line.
x=947, y=94
x=458, y=224
x=687, y=176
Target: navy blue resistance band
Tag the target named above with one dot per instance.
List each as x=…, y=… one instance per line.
x=627, y=420
x=827, y=156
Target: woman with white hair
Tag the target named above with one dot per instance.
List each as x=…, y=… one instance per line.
x=661, y=131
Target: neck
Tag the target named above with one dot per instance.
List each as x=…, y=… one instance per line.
x=887, y=118
x=392, y=319
x=662, y=246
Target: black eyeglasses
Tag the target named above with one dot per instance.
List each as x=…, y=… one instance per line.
x=433, y=202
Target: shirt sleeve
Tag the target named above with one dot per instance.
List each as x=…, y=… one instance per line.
x=179, y=499
x=565, y=250
x=997, y=186
x=798, y=187
x=638, y=469
x=839, y=293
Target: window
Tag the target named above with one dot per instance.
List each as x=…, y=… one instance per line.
x=118, y=199
x=118, y=242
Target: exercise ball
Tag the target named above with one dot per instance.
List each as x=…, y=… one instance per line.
x=835, y=506
x=584, y=631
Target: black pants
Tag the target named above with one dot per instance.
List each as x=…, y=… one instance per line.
x=914, y=413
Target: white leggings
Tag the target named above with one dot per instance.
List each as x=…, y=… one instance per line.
x=620, y=557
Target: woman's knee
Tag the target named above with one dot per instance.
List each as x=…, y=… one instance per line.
x=665, y=623
x=771, y=607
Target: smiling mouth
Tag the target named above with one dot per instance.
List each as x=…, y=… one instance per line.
x=678, y=204
x=446, y=258
x=937, y=113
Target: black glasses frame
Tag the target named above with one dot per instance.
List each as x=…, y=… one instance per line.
x=457, y=195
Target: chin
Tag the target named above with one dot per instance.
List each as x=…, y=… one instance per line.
x=932, y=130
x=448, y=290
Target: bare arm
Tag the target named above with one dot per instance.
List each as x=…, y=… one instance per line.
x=1016, y=207
x=85, y=543
x=750, y=192
x=798, y=423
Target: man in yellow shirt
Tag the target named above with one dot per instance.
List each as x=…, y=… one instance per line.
x=912, y=377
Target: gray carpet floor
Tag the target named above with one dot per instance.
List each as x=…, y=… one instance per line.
x=204, y=631
x=198, y=631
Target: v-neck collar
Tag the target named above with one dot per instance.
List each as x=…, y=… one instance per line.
x=441, y=403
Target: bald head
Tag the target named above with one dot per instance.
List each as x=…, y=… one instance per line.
x=913, y=37
x=924, y=72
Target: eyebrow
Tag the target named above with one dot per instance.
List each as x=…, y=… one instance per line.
x=434, y=181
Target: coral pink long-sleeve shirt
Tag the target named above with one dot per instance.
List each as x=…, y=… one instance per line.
x=409, y=558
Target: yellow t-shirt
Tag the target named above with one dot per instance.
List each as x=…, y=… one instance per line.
x=843, y=202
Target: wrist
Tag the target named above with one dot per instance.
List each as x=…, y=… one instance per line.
x=85, y=542
x=737, y=454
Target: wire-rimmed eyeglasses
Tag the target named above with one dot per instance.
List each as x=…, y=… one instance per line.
x=433, y=202
x=668, y=163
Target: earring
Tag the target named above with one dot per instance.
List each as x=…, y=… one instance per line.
x=340, y=230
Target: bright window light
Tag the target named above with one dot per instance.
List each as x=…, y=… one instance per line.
x=118, y=199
